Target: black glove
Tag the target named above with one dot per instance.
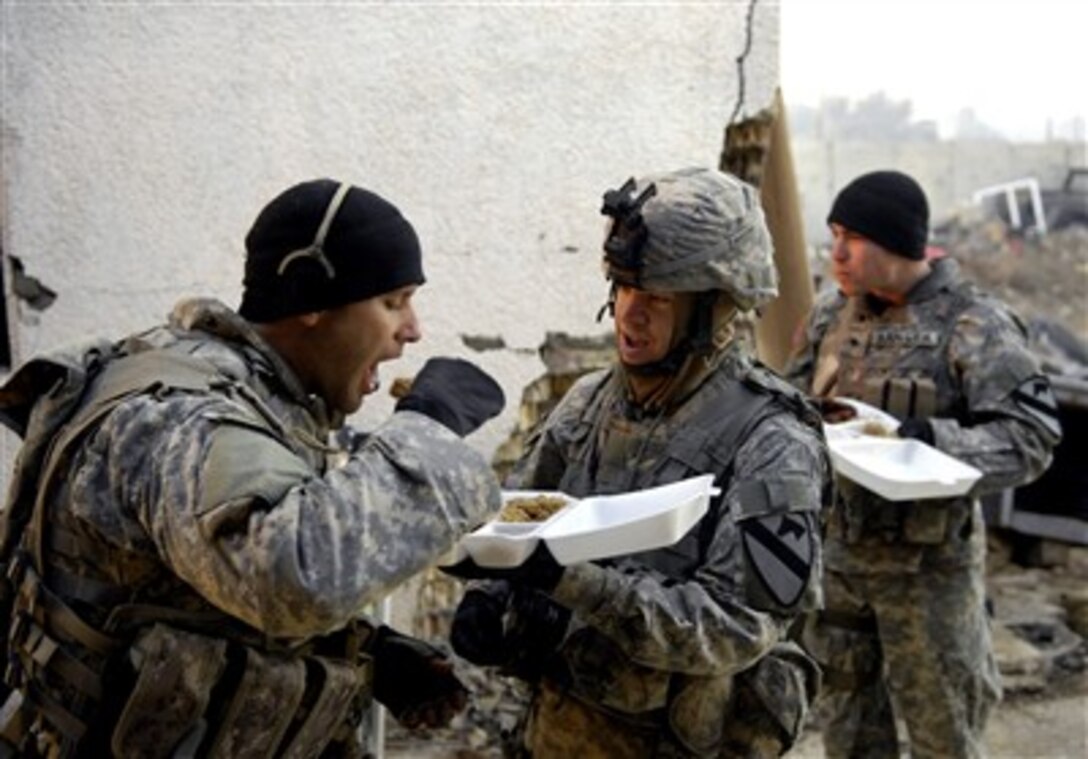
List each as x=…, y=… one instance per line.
x=919, y=429
x=540, y=570
x=537, y=627
x=478, y=632
x=517, y=630
x=415, y=681
x=455, y=393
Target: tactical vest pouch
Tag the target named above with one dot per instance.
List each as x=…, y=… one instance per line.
x=765, y=705
x=902, y=397
x=697, y=712
x=604, y=676
x=193, y=691
x=266, y=699
x=785, y=682
x=863, y=516
x=925, y=522
x=176, y=673
x=339, y=685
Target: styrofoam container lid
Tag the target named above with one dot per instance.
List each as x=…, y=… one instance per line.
x=595, y=527
x=901, y=469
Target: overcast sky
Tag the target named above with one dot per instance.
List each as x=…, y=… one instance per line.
x=1017, y=64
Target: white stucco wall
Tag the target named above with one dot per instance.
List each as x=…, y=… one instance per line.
x=140, y=140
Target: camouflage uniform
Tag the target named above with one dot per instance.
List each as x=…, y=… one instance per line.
x=193, y=545
x=682, y=651
x=905, y=618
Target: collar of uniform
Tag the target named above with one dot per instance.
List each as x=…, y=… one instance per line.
x=215, y=318
x=944, y=272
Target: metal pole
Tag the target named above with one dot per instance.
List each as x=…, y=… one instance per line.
x=376, y=733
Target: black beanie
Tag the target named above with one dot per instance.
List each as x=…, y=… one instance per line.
x=889, y=208
x=323, y=244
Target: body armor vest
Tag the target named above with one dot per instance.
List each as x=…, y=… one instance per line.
x=614, y=453
x=896, y=364
x=896, y=360
x=610, y=450
x=183, y=678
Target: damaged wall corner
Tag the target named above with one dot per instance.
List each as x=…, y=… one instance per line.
x=758, y=151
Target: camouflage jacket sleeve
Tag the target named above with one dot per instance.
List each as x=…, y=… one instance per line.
x=250, y=525
x=1009, y=426
x=707, y=625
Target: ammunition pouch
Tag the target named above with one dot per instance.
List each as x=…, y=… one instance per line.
x=785, y=683
x=763, y=706
x=279, y=705
x=190, y=692
x=902, y=397
x=697, y=712
x=865, y=517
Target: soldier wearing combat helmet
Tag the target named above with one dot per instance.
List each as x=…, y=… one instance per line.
x=679, y=651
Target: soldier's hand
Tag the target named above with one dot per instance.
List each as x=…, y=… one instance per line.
x=455, y=393
x=538, y=626
x=517, y=629
x=415, y=681
x=919, y=429
x=477, y=633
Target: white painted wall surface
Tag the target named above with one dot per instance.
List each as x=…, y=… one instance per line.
x=140, y=140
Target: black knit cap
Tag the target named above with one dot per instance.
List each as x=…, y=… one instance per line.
x=889, y=208
x=323, y=244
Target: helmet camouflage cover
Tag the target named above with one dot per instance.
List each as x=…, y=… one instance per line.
x=691, y=230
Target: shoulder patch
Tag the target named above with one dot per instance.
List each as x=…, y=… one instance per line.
x=1035, y=397
x=780, y=549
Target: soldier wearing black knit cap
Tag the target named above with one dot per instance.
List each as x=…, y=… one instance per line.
x=331, y=271
x=184, y=543
x=904, y=634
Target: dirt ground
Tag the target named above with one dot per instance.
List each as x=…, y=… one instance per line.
x=1052, y=726
x=1024, y=726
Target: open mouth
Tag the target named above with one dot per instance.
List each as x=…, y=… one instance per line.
x=371, y=380
x=632, y=348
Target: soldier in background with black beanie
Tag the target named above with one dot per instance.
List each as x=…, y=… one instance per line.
x=177, y=511
x=905, y=633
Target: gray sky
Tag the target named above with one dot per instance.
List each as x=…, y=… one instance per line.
x=1016, y=64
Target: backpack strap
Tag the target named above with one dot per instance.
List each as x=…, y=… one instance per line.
x=43, y=628
x=147, y=373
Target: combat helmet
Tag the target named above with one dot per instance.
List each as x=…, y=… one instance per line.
x=692, y=230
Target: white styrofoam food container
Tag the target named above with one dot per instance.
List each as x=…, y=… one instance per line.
x=507, y=544
x=595, y=527
x=901, y=469
x=855, y=427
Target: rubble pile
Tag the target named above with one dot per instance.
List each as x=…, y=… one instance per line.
x=1040, y=612
x=1043, y=277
